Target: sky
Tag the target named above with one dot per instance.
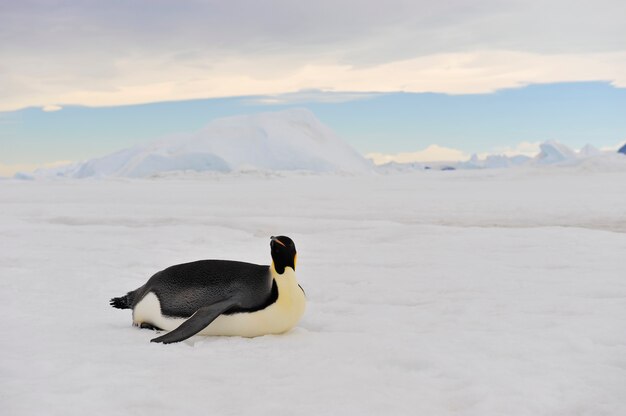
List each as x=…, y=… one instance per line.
x=78, y=78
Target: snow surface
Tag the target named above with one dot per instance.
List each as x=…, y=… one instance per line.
x=485, y=292
x=292, y=139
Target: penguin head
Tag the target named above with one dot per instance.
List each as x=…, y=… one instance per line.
x=283, y=253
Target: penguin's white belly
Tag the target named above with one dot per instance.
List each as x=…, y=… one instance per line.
x=277, y=318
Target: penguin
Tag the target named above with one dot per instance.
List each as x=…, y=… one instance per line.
x=220, y=297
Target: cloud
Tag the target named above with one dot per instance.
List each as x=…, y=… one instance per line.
x=51, y=108
x=456, y=73
x=432, y=153
x=308, y=96
x=139, y=52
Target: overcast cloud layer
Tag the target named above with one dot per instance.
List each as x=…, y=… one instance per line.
x=110, y=53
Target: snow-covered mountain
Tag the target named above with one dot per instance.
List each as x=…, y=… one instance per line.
x=551, y=153
x=554, y=152
x=395, y=167
x=493, y=162
x=589, y=151
x=287, y=140
x=292, y=140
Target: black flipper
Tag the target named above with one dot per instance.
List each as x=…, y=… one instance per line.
x=196, y=323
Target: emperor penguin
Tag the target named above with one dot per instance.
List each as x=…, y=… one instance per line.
x=220, y=297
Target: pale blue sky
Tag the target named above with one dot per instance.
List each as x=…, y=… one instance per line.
x=573, y=113
x=392, y=76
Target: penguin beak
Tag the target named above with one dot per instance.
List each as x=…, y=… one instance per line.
x=276, y=240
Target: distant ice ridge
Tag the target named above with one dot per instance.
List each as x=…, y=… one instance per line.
x=551, y=153
x=493, y=162
x=295, y=140
x=278, y=141
x=555, y=152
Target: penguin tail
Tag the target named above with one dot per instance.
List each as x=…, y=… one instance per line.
x=123, y=302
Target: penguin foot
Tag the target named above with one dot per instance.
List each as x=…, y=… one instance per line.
x=145, y=325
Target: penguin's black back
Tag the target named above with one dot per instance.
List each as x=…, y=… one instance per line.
x=184, y=288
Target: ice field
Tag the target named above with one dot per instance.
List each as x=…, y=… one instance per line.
x=487, y=292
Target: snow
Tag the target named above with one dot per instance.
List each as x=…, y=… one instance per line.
x=285, y=140
x=589, y=151
x=493, y=162
x=476, y=292
x=554, y=152
x=395, y=167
